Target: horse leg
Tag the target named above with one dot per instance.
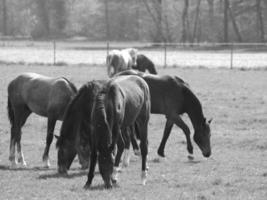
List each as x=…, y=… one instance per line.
x=91, y=172
x=51, y=122
x=126, y=153
x=166, y=134
x=134, y=141
x=180, y=123
x=12, y=158
x=25, y=114
x=21, y=114
x=144, y=151
x=116, y=169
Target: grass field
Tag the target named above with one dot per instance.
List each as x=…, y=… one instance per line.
x=237, y=101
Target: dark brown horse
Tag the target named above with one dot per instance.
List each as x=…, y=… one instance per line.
x=172, y=97
x=42, y=95
x=75, y=132
x=123, y=102
x=143, y=63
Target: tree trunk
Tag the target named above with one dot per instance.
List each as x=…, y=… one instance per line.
x=196, y=25
x=159, y=13
x=4, y=10
x=107, y=21
x=156, y=18
x=238, y=34
x=211, y=12
x=185, y=22
x=43, y=17
x=137, y=20
x=260, y=24
x=226, y=6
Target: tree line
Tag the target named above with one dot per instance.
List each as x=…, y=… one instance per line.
x=137, y=20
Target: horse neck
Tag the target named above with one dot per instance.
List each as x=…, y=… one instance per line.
x=193, y=108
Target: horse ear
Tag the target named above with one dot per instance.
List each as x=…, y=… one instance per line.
x=210, y=120
x=56, y=136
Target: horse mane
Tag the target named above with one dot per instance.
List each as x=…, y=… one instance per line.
x=69, y=119
x=193, y=107
x=78, y=109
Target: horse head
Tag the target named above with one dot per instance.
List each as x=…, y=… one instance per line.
x=202, y=137
x=66, y=154
x=133, y=53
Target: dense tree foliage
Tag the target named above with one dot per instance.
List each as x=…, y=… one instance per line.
x=141, y=20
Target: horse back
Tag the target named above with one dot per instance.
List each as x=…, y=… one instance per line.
x=41, y=94
x=132, y=98
x=166, y=93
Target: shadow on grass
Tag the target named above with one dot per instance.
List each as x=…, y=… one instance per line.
x=19, y=168
x=101, y=187
x=69, y=175
x=192, y=162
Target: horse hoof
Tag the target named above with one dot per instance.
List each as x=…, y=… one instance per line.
x=126, y=158
x=24, y=164
x=161, y=154
x=144, y=177
x=86, y=186
x=47, y=164
x=115, y=174
x=137, y=152
x=114, y=181
x=13, y=165
x=190, y=157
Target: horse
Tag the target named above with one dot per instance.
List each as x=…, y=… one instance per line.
x=124, y=102
x=34, y=93
x=120, y=60
x=172, y=97
x=143, y=63
x=75, y=134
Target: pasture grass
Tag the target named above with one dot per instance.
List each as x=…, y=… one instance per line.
x=235, y=99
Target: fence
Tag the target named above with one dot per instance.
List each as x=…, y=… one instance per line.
x=230, y=55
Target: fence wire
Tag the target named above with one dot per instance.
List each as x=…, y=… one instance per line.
x=211, y=55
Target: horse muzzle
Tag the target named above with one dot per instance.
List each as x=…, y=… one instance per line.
x=206, y=153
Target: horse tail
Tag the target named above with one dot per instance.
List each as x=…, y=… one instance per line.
x=73, y=87
x=10, y=112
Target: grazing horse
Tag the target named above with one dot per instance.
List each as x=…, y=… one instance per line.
x=143, y=63
x=42, y=95
x=172, y=97
x=120, y=60
x=123, y=102
x=75, y=134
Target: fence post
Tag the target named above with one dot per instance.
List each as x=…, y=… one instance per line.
x=54, y=45
x=232, y=56
x=165, y=55
x=107, y=48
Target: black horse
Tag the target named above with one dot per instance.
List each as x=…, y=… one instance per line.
x=83, y=126
x=123, y=102
x=75, y=134
x=143, y=63
x=172, y=97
